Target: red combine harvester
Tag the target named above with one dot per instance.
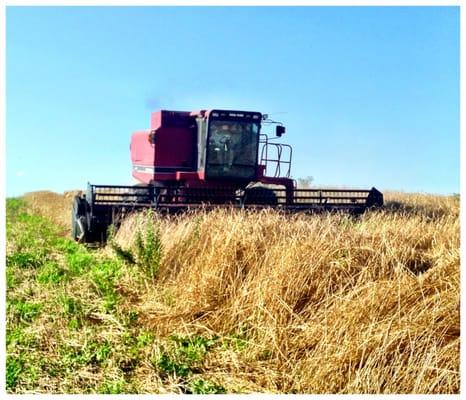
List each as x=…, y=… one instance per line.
x=206, y=159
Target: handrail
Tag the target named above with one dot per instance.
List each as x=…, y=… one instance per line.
x=278, y=161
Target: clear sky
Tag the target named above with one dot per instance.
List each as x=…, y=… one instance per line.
x=369, y=96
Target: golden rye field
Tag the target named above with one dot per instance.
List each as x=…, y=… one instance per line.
x=231, y=301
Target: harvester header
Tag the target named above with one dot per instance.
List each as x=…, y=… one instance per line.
x=208, y=158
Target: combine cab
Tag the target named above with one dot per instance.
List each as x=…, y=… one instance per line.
x=206, y=159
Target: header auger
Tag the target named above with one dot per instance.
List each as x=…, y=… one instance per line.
x=207, y=159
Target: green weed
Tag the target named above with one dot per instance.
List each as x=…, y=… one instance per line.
x=102, y=352
x=80, y=261
x=70, y=305
x=51, y=367
x=113, y=387
x=24, y=311
x=14, y=367
x=75, y=323
x=51, y=273
x=184, y=354
x=20, y=369
x=17, y=338
x=31, y=234
x=126, y=353
x=192, y=348
x=103, y=275
x=67, y=246
x=238, y=340
x=201, y=386
x=148, y=250
x=144, y=339
x=91, y=353
x=11, y=280
x=73, y=310
x=25, y=260
x=13, y=207
x=168, y=365
x=128, y=318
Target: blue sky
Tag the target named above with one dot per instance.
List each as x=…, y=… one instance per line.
x=369, y=96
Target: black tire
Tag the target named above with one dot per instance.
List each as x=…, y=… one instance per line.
x=79, y=220
x=261, y=196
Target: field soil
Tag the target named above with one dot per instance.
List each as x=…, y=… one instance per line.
x=233, y=301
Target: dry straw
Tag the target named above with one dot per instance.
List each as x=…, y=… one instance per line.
x=329, y=303
x=324, y=303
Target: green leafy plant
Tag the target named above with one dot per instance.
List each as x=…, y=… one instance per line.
x=24, y=311
x=14, y=367
x=192, y=348
x=238, y=340
x=146, y=252
x=66, y=245
x=73, y=310
x=80, y=261
x=11, y=280
x=104, y=274
x=102, y=351
x=51, y=273
x=25, y=259
x=201, y=386
x=144, y=339
x=18, y=338
x=70, y=305
x=14, y=206
x=113, y=387
x=183, y=354
x=167, y=364
x=128, y=353
x=148, y=249
x=128, y=318
x=92, y=353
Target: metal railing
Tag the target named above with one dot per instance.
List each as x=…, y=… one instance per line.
x=280, y=159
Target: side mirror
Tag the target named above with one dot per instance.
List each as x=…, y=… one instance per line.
x=151, y=137
x=279, y=130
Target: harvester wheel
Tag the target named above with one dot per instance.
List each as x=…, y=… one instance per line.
x=260, y=195
x=78, y=219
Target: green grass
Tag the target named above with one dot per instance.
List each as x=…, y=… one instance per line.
x=201, y=386
x=51, y=273
x=113, y=387
x=23, y=311
x=103, y=276
x=69, y=327
x=20, y=339
x=238, y=340
x=181, y=356
x=54, y=286
x=71, y=309
x=14, y=368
